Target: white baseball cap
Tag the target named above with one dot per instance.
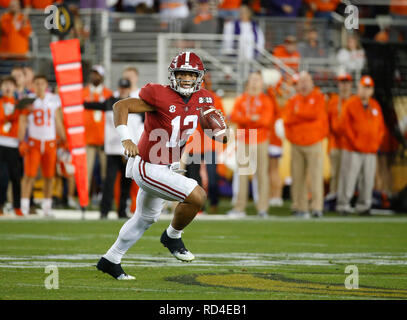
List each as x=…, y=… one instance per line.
x=99, y=69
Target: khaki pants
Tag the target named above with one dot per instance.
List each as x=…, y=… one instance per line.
x=335, y=161
x=356, y=168
x=307, y=170
x=91, y=152
x=257, y=157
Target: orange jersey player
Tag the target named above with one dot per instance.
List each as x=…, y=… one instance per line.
x=42, y=124
x=95, y=91
x=9, y=120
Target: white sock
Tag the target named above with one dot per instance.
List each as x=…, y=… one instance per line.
x=47, y=206
x=129, y=234
x=173, y=233
x=25, y=206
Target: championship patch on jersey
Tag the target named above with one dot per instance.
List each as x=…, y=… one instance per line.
x=205, y=100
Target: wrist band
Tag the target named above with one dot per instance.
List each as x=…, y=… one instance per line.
x=124, y=133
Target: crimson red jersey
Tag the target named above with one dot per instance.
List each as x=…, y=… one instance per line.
x=167, y=129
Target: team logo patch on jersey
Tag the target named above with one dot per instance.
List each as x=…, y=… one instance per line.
x=8, y=108
x=172, y=108
x=205, y=100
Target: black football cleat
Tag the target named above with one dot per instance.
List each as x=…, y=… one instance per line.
x=115, y=270
x=176, y=247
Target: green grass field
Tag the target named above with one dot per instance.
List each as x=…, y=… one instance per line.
x=276, y=258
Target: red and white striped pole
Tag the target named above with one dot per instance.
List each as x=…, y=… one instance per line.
x=66, y=55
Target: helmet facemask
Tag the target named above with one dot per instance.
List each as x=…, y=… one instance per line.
x=195, y=84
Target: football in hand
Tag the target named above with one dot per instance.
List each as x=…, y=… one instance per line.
x=213, y=123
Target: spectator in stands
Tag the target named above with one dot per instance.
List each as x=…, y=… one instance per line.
x=173, y=10
x=311, y=47
x=229, y=9
x=251, y=36
x=4, y=4
x=15, y=30
x=321, y=8
x=335, y=108
x=202, y=21
x=93, y=4
x=252, y=110
x=383, y=35
x=39, y=4
x=18, y=74
x=29, y=78
x=138, y=6
x=95, y=91
x=363, y=129
x=80, y=30
x=43, y=124
x=306, y=125
x=398, y=11
x=282, y=8
x=288, y=53
x=9, y=154
x=352, y=57
x=131, y=74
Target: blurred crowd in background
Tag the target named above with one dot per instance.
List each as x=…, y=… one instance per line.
x=290, y=113
x=208, y=16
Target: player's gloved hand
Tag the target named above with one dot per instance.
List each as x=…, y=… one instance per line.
x=130, y=149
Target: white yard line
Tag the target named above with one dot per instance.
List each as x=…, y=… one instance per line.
x=61, y=214
x=261, y=260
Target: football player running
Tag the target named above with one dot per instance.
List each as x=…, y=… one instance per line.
x=171, y=116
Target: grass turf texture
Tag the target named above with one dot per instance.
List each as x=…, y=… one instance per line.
x=237, y=260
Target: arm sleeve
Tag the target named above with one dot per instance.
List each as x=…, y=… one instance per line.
x=334, y=119
x=266, y=114
x=26, y=30
x=5, y=25
x=147, y=94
